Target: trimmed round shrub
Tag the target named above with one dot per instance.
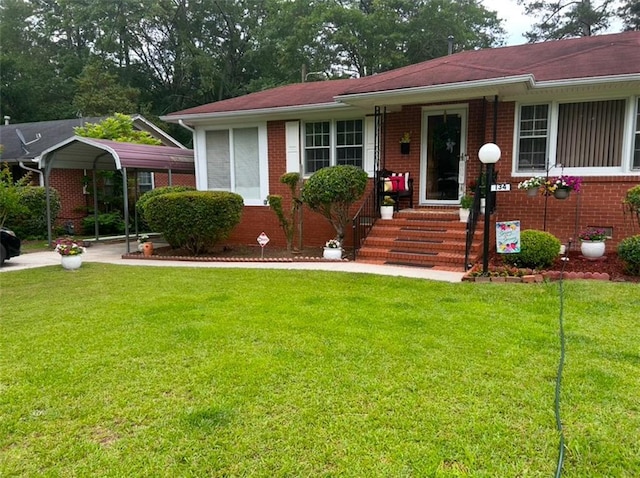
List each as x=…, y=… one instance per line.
x=331, y=192
x=538, y=249
x=32, y=224
x=629, y=252
x=142, y=201
x=194, y=220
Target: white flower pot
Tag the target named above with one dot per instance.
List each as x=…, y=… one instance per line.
x=71, y=263
x=592, y=249
x=386, y=212
x=464, y=214
x=332, y=253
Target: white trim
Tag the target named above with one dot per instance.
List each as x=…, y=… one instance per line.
x=263, y=160
x=292, y=146
x=625, y=169
x=455, y=108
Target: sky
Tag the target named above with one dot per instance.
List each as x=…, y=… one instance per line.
x=516, y=23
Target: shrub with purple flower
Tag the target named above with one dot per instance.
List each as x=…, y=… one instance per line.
x=65, y=246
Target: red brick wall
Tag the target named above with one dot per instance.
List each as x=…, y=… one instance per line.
x=598, y=204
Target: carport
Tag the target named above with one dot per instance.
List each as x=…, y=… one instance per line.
x=104, y=155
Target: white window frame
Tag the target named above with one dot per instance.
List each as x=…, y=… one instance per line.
x=635, y=138
x=152, y=182
x=333, y=140
x=263, y=160
x=555, y=167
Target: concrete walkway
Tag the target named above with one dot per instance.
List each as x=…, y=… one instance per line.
x=112, y=253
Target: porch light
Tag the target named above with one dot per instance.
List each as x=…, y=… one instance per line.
x=488, y=154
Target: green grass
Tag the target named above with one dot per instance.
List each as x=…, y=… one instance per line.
x=132, y=371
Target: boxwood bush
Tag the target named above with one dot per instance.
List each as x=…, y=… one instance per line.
x=629, y=252
x=32, y=224
x=195, y=220
x=142, y=201
x=538, y=249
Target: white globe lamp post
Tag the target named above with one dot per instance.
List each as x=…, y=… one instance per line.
x=489, y=154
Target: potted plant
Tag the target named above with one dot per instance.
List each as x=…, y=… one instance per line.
x=332, y=250
x=631, y=202
x=532, y=185
x=142, y=238
x=561, y=186
x=386, y=208
x=145, y=245
x=70, y=253
x=592, y=242
x=466, y=202
x=405, y=143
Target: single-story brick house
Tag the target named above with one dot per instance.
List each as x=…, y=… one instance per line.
x=567, y=107
x=25, y=143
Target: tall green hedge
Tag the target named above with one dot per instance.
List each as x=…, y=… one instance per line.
x=32, y=223
x=538, y=249
x=142, y=201
x=195, y=220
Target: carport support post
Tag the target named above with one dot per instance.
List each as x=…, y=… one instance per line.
x=125, y=194
x=48, y=199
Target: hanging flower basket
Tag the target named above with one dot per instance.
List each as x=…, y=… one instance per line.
x=561, y=193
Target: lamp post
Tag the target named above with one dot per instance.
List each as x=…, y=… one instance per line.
x=489, y=154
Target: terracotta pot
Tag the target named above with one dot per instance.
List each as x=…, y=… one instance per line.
x=147, y=249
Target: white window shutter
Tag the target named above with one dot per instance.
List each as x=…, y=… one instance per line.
x=369, y=145
x=292, y=145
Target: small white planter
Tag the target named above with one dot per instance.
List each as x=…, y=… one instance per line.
x=464, y=214
x=71, y=263
x=386, y=212
x=592, y=249
x=332, y=253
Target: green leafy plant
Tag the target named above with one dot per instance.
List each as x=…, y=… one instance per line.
x=333, y=244
x=287, y=223
x=146, y=197
x=388, y=201
x=195, y=220
x=108, y=223
x=631, y=202
x=466, y=201
x=629, y=252
x=118, y=127
x=31, y=223
x=11, y=193
x=531, y=183
x=331, y=192
x=538, y=249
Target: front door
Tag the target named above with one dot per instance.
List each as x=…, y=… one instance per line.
x=443, y=154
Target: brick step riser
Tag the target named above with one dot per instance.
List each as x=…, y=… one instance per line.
x=419, y=234
x=449, y=260
x=409, y=244
x=454, y=225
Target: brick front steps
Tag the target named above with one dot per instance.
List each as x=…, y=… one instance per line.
x=423, y=237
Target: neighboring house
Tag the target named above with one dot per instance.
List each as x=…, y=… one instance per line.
x=24, y=144
x=567, y=106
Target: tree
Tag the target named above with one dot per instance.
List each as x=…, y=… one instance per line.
x=331, y=192
x=630, y=14
x=567, y=19
x=99, y=93
x=118, y=127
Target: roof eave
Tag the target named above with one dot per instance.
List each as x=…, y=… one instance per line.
x=279, y=112
x=443, y=92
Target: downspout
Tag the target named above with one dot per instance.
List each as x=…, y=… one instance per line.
x=125, y=193
x=37, y=171
x=495, y=119
x=186, y=126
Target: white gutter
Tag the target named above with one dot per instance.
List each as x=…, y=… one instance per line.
x=282, y=110
x=588, y=81
x=463, y=85
x=185, y=126
x=37, y=171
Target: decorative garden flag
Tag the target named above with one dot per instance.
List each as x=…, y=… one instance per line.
x=508, y=237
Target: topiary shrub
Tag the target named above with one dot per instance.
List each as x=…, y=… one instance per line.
x=108, y=223
x=331, y=192
x=538, y=249
x=142, y=201
x=195, y=220
x=629, y=252
x=32, y=222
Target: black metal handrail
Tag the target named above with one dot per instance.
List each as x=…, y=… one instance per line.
x=472, y=221
x=364, y=219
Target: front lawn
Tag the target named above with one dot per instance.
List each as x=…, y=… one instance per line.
x=135, y=371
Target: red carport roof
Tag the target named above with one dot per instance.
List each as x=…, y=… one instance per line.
x=88, y=153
